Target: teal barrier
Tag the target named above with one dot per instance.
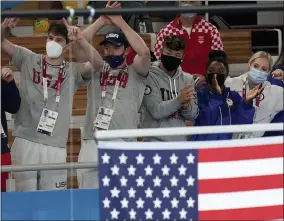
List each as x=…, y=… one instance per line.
x=51, y=205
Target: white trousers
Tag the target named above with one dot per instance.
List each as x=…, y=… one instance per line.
x=88, y=178
x=27, y=152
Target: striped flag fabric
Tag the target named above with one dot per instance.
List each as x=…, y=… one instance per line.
x=223, y=180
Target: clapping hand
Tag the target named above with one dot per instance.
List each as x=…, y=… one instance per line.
x=114, y=19
x=187, y=94
x=215, y=86
x=201, y=80
x=106, y=20
x=256, y=91
x=278, y=74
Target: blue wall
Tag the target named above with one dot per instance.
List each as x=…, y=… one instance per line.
x=10, y=4
x=51, y=205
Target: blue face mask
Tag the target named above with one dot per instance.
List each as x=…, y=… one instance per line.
x=256, y=76
x=115, y=60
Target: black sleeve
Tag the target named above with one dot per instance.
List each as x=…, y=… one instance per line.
x=10, y=97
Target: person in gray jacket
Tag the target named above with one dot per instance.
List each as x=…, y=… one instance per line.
x=169, y=98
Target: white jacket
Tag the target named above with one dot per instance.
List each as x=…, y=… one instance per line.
x=271, y=102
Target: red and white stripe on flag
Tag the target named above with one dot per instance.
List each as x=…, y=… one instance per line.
x=237, y=179
x=243, y=182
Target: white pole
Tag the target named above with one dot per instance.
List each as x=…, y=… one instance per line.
x=80, y=19
x=206, y=14
x=150, y=145
x=55, y=166
x=176, y=131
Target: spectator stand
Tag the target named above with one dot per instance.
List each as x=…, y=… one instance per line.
x=41, y=211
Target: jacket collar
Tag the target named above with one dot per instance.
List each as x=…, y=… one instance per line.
x=176, y=23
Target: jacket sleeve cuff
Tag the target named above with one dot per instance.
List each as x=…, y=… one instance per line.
x=176, y=104
x=186, y=110
x=246, y=105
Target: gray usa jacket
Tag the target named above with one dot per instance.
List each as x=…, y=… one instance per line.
x=161, y=106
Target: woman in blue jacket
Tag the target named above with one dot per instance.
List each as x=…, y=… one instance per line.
x=277, y=75
x=219, y=105
x=277, y=78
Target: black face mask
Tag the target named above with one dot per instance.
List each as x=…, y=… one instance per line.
x=220, y=78
x=170, y=63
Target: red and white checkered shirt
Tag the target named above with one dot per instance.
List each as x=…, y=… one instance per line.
x=203, y=38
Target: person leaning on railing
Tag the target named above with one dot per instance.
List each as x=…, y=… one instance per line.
x=218, y=104
x=270, y=102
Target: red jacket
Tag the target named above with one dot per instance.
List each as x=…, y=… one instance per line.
x=203, y=38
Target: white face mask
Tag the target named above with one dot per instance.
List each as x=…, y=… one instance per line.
x=53, y=49
x=187, y=15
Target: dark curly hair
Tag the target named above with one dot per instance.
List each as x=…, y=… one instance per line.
x=175, y=43
x=219, y=56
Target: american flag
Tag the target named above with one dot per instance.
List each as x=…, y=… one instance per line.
x=224, y=180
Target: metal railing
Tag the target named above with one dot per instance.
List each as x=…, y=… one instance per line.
x=101, y=135
x=59, y=13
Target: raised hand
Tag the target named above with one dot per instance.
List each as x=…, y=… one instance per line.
x=278, y=74
x=74, y=33
x=6, y=74
x=115, y=19
x=105, y=19
x=257, y=90
x=215, y=86
x=187, y=94
x=10, y=22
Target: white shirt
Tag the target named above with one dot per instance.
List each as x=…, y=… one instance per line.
x=271, y=102
x=188, y=30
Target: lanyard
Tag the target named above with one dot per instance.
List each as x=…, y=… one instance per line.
x=244, y=93
x=44, y=81
x=117, y=83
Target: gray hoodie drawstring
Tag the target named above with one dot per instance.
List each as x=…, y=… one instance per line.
x=171, y=88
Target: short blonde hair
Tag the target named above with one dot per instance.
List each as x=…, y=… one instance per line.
x=262, y=54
